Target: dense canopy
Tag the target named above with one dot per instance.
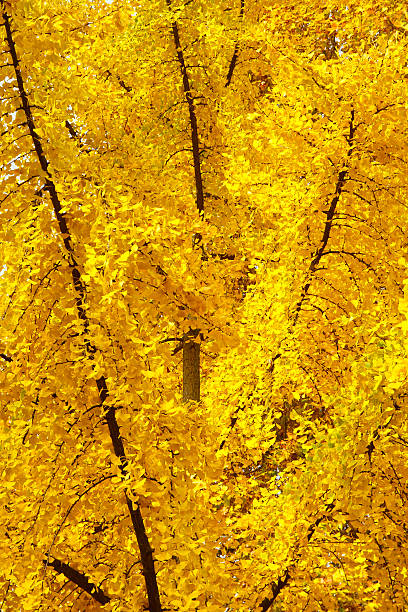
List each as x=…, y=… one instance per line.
x=203, y=336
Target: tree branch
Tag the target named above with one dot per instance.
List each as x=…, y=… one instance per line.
x=341, y=180
x=193, y=118
x=49, y=185
x=146, y=553
x=284, y=579
x=79, y=579
x=120, y=81
x=71, y=130
x=236, y=49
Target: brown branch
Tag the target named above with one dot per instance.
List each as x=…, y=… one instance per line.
x=341, y=180
x=120, y=81
x=49, y=185
x=191, y=369
x=72, y=506
x=236, y=49
x=146, y=552
x=123, y=84
x=71, y=130
x=75, y=136
x=193, y=118
x=284, y=579
x=276, y=589
x=79, y=579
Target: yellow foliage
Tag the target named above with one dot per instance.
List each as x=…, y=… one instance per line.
x=233, y=175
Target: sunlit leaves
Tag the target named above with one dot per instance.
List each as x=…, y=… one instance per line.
x=294, y=463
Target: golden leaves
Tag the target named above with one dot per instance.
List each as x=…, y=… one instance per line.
x=303, y=366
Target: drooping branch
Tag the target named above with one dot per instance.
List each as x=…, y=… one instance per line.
x=284, y=579
x=49, y=185
x=146, y=553
x=79, y=579
x=193, y=118
x=341, y=180
x=72, y=506
x=320, y=251
x=236, y=49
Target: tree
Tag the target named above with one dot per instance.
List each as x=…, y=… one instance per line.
x=203, y=240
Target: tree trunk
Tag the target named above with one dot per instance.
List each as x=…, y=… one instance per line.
x=191, y=369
